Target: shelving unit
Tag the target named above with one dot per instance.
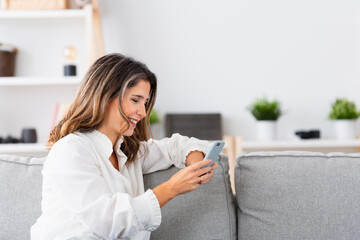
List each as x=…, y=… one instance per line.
x=91, y=49
x=28, y=149
x=46, y=14
x=94, y=44
x=320, y=145
x=297, y=144
x=39, y=81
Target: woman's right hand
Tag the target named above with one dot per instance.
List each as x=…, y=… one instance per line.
x=185, y=180
x=190, y=178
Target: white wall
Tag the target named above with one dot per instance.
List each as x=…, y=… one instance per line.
x=218, y=56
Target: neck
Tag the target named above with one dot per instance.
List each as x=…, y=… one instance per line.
x=110, y=134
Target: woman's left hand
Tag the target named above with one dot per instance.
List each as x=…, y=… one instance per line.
x=197, y=156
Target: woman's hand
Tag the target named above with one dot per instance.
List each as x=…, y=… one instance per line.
x=197, y=156
x=185, y=180
x=190, y=178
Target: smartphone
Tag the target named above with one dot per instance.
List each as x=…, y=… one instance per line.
x=214, y=152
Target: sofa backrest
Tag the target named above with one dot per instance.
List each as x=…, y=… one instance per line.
x=20, y=202
x=298, y=195
x=209, y=212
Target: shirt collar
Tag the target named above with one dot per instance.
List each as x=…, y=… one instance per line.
x=121, y=156
x=118, y=145
x=102, y=143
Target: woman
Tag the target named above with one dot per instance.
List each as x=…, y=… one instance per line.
x=92, y=178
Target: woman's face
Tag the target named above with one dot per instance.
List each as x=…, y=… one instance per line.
x=132, y=105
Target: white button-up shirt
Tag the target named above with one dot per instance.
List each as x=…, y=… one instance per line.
x=85, y=197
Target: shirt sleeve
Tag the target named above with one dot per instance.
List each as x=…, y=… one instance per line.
x=161, y=154
x=71, y=171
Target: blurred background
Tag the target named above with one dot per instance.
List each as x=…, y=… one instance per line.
x=210, y=56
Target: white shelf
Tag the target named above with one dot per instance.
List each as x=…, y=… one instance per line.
x=298, y=144
x=43, y=14
x=39, y=81
x=28, y=149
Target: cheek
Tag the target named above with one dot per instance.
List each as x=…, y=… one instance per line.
x=125, y=107
x=128, y=109
x=115, y=116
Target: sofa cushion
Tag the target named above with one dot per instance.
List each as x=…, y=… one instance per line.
x=20, y=202
x=206, y=213
x=298, y=195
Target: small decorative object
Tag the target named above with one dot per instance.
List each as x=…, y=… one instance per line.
x=33, y=4
x=266, y=113
x=59, y=112
x=28, y=135
x=344, y=114
x=10, y=139
x=206, y=126
x=82, y=3
x=70, y=54
x=7, y=60
x=312, y=134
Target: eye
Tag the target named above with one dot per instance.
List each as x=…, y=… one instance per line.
x=135, y=100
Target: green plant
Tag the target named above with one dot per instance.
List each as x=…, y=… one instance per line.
x=154, y=117
x=342, y=108
x=263, y=109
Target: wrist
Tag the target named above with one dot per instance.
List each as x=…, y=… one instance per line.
x=164, y=193
x=170, y=189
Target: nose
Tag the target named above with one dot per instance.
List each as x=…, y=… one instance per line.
x=142, y=111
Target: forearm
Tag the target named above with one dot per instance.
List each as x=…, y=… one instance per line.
x=164, y=193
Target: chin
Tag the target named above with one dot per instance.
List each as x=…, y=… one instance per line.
x=128, y=133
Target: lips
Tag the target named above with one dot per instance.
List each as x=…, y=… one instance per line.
x=133, y=122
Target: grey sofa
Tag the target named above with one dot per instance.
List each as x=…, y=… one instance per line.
x=280, y=195
x=207, y=213
x=298, y=195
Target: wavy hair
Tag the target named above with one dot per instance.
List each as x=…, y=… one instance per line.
x=107, y=78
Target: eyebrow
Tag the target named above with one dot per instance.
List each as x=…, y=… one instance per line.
x=139, y=96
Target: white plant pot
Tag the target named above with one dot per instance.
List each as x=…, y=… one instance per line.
x=345, y=129
x=266, y=130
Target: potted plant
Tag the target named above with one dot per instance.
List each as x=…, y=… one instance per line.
x=154, y=117
x=344, y=114
x=154, y=120
x=266, y=113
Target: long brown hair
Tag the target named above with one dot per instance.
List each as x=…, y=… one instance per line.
x=106, y=79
